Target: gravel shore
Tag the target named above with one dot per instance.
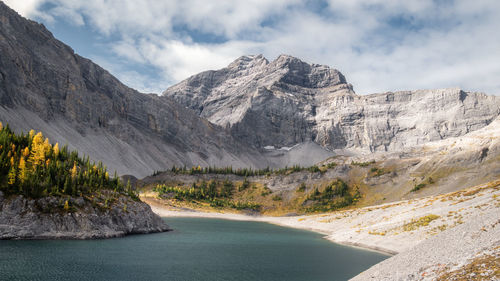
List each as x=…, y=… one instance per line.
x=430, y=237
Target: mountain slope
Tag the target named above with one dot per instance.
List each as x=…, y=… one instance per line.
x=287, y=101
x=45, y=86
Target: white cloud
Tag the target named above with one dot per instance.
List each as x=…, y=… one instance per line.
x=26, y=8
x=379, y=45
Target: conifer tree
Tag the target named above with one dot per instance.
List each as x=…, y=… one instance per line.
x=12, y=175
x=37, y=151
x=67, y=186
x=26, y=152
x=56, y=149
x=74, y=171
x=22, y=170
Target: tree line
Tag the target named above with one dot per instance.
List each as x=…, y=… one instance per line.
x=217, y=193
x=245, y=172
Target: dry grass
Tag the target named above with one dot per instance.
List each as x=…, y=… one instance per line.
x=417, y=223
x=486, y=267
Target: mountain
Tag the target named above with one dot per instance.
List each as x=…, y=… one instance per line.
x=288, y=102
x=253, y=113
x=45, y=86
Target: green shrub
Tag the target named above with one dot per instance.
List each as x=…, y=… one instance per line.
x=418, y=187
x=302, y=187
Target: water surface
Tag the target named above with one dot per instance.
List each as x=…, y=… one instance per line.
x=198, y=249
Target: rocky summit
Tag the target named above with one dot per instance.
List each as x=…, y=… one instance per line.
x=288, y=102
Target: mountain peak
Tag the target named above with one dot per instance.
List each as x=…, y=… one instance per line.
x=248, y=61
x=303, y=74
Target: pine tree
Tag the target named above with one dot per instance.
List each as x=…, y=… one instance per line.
x=68, y=189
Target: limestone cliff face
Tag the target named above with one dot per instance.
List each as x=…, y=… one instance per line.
x=45, y=218
x=45, y=86
x=287, y=101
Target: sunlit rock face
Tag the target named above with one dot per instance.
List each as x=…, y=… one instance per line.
x=288, y=101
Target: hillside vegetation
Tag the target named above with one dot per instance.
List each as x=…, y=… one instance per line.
x=31, y=166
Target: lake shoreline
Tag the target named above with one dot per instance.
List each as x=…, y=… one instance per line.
x=390, y=228
x=166, y=212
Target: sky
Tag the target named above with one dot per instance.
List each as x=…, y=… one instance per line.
x=379, y=45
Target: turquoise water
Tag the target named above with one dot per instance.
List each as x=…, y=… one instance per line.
x=198, y=249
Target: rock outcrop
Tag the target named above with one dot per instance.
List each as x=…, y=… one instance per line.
x=45, y=86
x=46, y=218
x=287, y=101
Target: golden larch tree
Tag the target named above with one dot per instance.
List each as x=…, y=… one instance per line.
x=26, y=152
x=22, y=170
x=37, y=151
x=12, y=175
x=74, y=171
x=56, y=149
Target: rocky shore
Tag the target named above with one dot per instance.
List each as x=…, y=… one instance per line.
x=80, y=218
x=445, y=237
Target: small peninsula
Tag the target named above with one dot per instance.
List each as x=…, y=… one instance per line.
x=47, y=192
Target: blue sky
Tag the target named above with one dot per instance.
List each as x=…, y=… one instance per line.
x=379, y=45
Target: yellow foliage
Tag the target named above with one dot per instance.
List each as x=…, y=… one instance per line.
x=12, y=161
x=13, y=147
x=1, y=126
x=31, y=133
x=26, y=152
x=37, y=151
x=22, y=170
x=12, y=175
x=56, y=149
x=73, y=171
x=422, y=221
x=107, y=175
x=47, y=147
x=66, y=205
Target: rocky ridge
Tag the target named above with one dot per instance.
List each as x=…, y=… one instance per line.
x=45, y=86
x=253, y=113
x=287, y=102
x=46, y=218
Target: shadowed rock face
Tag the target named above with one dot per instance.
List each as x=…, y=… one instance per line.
x=45, y=86
x=44, y=218
x=288, y=101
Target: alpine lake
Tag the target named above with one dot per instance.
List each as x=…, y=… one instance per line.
x=197, y=249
